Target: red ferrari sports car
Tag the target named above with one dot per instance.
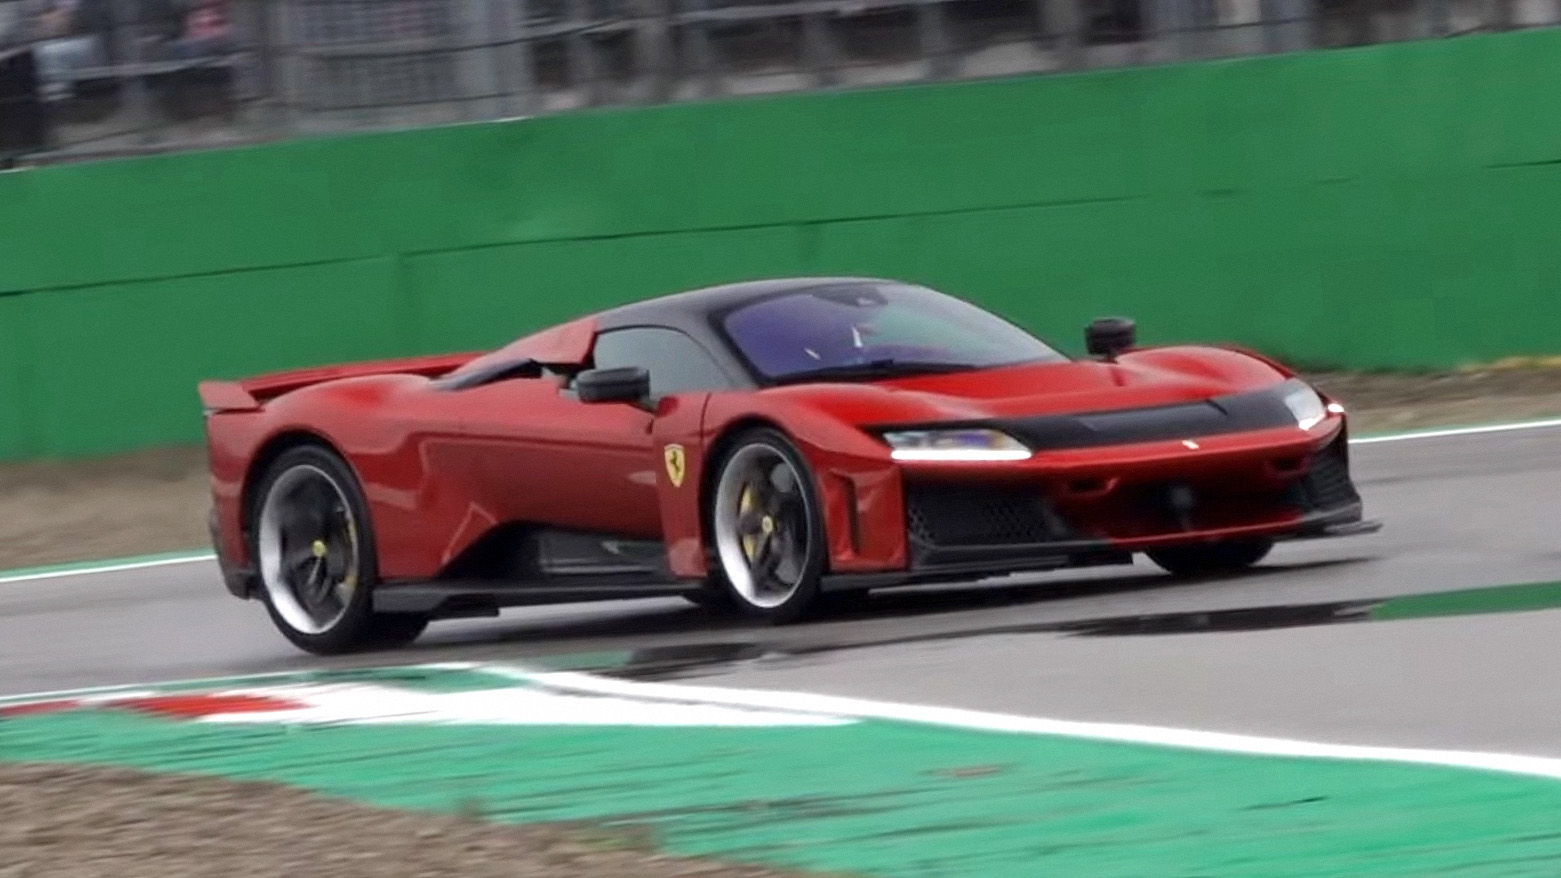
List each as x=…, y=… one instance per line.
x=754, y=446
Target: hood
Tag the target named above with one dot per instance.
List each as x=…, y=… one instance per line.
x=1136, y=381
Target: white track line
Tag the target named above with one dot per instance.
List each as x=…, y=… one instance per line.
x=232, y=681
x=1186, y=739
x=122, y=689
x=1549, y=423
x=90, y=569
x=948, y=717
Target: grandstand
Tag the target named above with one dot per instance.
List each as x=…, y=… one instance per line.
x=89, y=78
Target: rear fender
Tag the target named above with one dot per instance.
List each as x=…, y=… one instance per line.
x=251, y=393
x=243, y=434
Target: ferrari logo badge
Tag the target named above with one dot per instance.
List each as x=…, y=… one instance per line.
x=677, y=464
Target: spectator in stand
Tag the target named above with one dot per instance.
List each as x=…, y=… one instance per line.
x=14, y=26
x=71, y=36
x=208, y=31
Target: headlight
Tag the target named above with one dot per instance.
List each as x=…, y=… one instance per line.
x=1306, y=405
x=955, y=445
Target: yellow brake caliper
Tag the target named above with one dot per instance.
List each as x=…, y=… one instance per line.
x=744, y=504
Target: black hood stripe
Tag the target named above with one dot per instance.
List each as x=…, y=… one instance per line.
x=1232, y=413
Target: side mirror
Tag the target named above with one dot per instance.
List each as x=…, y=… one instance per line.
x=1110, y=336
x=627, y=384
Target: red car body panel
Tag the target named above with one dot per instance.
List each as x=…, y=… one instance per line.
x=442, y=469
x=568, y=344
x=857, y=475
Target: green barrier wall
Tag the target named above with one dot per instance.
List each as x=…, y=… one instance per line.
x=1392, y=206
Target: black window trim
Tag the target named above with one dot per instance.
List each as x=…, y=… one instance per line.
x=732, y=382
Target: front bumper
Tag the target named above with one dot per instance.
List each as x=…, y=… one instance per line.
x=961, y=529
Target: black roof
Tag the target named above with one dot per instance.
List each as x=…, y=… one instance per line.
x=696, y=313
x=691, y=310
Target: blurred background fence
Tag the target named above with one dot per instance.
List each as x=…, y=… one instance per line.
x=88, y=78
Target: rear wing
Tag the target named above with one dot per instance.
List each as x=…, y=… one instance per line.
x=226, y=396
x=249, y=394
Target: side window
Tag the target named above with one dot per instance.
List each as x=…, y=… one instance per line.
x=677, y=364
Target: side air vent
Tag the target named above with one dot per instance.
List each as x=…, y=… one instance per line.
x=1326, y=484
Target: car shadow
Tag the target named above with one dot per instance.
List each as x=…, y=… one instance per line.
x=603, y=628
x=976, y=597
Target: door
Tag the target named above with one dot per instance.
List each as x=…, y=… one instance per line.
x=550, y=459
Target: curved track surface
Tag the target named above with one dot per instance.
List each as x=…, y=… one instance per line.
x=1461, y=512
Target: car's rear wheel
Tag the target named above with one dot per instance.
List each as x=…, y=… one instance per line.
x=768, y=533
x=1211, y=559
x=314, y=549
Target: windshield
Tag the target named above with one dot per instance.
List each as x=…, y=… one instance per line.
x=874, y=331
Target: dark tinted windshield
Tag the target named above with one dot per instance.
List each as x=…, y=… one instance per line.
x=874, y=330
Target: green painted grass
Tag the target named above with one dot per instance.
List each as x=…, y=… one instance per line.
x=882, y=798
x=1473, y=601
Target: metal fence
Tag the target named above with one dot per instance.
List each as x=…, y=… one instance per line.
x=85, y=78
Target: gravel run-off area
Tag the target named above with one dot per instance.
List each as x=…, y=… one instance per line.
x=60, y=821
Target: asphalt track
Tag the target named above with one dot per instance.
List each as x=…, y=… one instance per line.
x=1461, y=511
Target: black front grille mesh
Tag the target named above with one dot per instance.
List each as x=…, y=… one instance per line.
x=953, y=515
x=957, y=516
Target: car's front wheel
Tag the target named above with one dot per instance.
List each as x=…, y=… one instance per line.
x=314, y=550
x=767, y=528
x=1211, y=559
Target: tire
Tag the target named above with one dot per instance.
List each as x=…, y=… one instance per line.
x=320, y=595
x=766, y=526
x=853, y=601
x=712, y=598
x=1212, y=559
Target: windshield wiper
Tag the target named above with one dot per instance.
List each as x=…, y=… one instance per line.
x=885, y=368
